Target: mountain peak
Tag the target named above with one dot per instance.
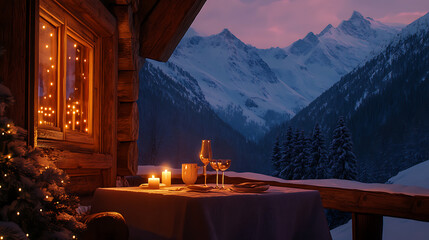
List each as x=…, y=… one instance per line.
x=357, y=26
x=325, y=30
x=356, y=15
x=225, y=32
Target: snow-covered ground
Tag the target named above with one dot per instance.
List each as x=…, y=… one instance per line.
x=397, y=228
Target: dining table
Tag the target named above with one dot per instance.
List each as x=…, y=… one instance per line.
x=177, y=213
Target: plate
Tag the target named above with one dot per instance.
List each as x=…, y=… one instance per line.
x=199, y=188
x=250, y=187
x=146, y=186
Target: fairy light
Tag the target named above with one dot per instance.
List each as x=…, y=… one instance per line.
x=47, y=196
x=19, y=189
x=5, y=175
x=47, y=46
x=43, y=27
x=27, y=235
x=17, y=213
x=41, y=210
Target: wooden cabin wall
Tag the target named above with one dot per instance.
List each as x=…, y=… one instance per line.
x=88, y=167
x=128, y=18
x=17, y=42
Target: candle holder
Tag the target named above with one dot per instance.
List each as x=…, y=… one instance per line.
x=189, y=173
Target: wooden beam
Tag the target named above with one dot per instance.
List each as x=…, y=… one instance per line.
x=128, y=54
x=128, y=86
x=109, y=105
x=165, y=25
x=124, y=15
x=365, y=198
x=367, y=226
x=100, y=17
x=83, y=181
x=128, y=156
x=70, y=160
x=128, y=122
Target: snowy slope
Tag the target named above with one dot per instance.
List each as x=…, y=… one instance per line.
x=253, y=89
x=397, y=228
x=316, y=62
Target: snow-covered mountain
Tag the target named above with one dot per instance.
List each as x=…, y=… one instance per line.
x=384, y=102
x=313, y=64
x=253, y=89
x=398, y=228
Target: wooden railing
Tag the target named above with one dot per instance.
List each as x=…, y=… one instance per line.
x=367, y=202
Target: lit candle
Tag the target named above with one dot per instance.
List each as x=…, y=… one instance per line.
x=166, y=178
x=153, y=182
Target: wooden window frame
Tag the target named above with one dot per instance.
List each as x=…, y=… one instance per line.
x=70, y=25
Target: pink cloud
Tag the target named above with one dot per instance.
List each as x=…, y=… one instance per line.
x=272, y=23
x=403, y=17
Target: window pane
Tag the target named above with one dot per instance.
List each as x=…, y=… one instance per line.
x=77, y=86
x=48, y=73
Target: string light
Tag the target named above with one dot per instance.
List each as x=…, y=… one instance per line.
x=5, y=174
x=47, y=196
x=47, y=46
x=17, y=213
x=41, y=210
x=27, y=235
x=74, y=237
x=43, y=26
x=8, y=125
x=19, y=189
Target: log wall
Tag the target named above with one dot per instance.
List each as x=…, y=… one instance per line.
x=128, y=85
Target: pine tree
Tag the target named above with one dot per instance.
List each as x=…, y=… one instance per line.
x=287, y=155
x=301, y=156
x=32, y=196
x=319, y=158
x=342, y=159
x=276, y=157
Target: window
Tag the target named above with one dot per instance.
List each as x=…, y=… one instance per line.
x=65, y=79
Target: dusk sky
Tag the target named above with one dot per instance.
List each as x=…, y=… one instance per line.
x=278, y=23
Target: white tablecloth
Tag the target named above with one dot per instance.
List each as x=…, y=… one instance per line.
x=279, y=213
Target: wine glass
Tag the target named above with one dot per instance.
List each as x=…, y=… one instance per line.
x=214, y=164
x=205, y=157
x=223, y=164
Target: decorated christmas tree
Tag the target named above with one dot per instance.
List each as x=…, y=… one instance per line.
x=33, y=202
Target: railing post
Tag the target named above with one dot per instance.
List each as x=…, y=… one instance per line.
x=367, y=226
